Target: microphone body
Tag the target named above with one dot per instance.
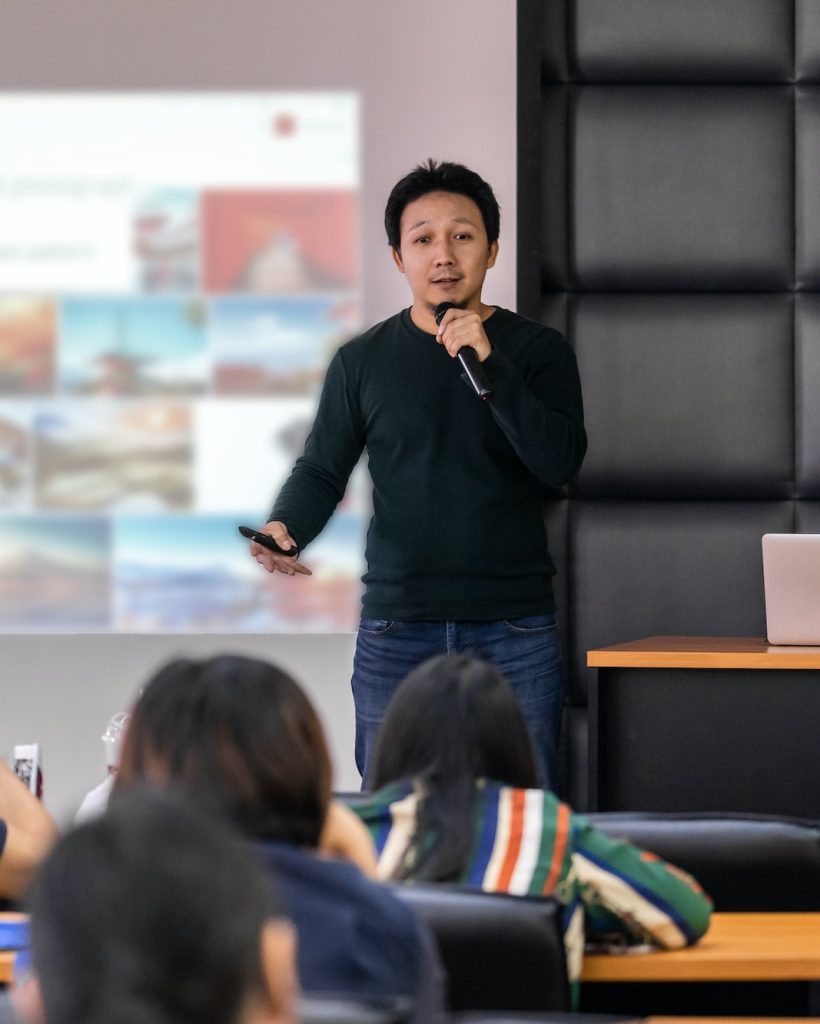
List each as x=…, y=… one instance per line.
x=476, y=374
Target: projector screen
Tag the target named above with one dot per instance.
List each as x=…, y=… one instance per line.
x=176, y=271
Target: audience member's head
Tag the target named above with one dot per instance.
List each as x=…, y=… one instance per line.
x=243, y=738
x=454, y=720
x=155, y=914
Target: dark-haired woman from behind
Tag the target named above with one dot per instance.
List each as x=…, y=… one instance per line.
x=456, y=799
x=245, y=741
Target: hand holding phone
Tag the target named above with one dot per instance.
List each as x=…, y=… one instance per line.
x=28, y=767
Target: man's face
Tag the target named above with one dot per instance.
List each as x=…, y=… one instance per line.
x=444, y=252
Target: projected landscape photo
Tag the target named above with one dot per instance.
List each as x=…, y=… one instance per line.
x=55, y=574
x=277, y=346
x=194, y=575
x=135, y=456
x=133, y=347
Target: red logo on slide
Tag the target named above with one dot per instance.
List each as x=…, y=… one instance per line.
x=284, y=125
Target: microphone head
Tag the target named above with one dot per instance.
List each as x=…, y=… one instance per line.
x=441, y=309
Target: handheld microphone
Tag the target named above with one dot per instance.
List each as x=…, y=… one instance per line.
x=476, y=374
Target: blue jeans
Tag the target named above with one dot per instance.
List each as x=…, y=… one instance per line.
x=527, y=651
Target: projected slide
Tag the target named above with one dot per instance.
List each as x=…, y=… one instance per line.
x=176, y=271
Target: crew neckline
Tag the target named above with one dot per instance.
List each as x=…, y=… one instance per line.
x=409, y=323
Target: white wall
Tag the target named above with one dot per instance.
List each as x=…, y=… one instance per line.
x=436, y=80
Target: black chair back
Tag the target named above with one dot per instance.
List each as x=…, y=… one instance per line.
x=499, y=952
x=543, y=1018
x=745, y=863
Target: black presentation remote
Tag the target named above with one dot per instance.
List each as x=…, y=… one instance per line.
x=267, y=542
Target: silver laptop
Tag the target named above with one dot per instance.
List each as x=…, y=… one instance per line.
x=791, y=581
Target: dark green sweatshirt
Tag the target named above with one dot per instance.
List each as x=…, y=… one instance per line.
x=457, y=531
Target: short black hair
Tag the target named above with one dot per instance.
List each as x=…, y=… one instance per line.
x=153, y=912
x=441, y=177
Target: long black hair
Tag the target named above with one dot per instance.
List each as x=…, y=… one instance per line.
x=151, y=914
x=452, y=721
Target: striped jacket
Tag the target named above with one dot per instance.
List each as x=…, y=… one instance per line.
x=526, y=842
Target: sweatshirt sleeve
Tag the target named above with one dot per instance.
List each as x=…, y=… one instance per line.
x=627, y=889
x=542, y=416
x=318, y=480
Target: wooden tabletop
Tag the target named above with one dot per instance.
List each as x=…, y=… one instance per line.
x=703, y=652
x=737, y=947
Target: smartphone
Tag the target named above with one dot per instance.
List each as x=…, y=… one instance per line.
x=28, y=767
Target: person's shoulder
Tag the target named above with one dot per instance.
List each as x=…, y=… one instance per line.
x=520, y=792
x=342, y=883
x=376, y=901
x=95, y=802
x=532, y=346
x=331, y=874
x=520, y=328
x=360, y=344
x=380, y=800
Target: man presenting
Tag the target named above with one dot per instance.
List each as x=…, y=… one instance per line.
x=457, y=554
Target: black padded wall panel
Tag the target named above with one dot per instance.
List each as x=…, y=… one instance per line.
x=576, y=731
x=553, y=259
x=807, y=394
x=807, y=198
x=555, y=311
x=548, y=29
x=807, y=519
x=682, y=187
x=683, y=40
x=807, y=40
x=686, y=395
x=669, y=223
